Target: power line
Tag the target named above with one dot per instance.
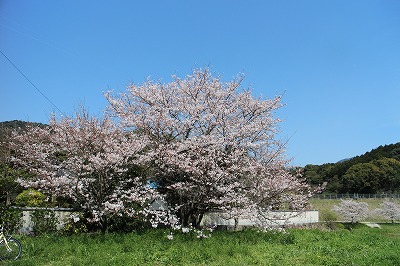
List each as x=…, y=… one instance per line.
x=32, y=83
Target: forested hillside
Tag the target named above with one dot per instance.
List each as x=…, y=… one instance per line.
x=377, y=171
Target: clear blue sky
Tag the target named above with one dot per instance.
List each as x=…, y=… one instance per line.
x=337, y=62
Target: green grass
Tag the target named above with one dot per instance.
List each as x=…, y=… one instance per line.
x=359, y=246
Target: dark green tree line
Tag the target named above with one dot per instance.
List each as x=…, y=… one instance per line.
x=377, y=171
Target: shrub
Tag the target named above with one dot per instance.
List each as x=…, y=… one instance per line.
x=10, y=218
x=30, y=198
x=75, y=224
x=124, y=223
x=329, y=218
x=44, y=221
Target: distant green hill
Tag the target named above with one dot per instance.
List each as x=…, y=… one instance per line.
x=15, y=124
x=7, y=126
x=376, y=171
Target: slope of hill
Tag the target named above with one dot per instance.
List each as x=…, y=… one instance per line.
x=15, y=124
x=373, y=172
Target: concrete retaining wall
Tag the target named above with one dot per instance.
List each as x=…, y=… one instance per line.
x=270, y=218
x=210, y=219
x=27, y=225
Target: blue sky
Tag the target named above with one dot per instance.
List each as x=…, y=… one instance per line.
x=337, y=62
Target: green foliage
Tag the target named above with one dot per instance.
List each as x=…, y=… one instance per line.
x=10, y=218
x=362, y=178
x=30, y=198
x=78, y=223
x=8, y=185
x=44, y=221
x=390, y=169
x=373, y=172
x=329, y=218
x=126, y=224
x=75, y=224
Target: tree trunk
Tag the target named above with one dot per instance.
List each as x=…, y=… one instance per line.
x=184, y=219
x=196, y=220
x=189, y=217
x=8, y=198
x=236, y=224
x=104, y=224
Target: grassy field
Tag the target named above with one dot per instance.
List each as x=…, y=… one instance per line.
x=359, y=246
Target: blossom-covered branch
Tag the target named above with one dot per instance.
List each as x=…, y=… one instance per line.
x=92, y=161
x=213, y=145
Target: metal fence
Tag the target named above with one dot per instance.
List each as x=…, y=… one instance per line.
x=357, y=196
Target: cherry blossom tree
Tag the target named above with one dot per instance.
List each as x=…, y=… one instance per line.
x=90, y=160
x=389, y=210
x=213, y=146
x=351, y=210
